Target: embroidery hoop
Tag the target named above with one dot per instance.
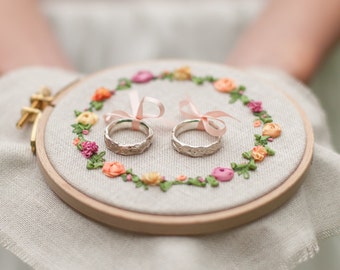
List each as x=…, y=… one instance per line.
x=169, y=224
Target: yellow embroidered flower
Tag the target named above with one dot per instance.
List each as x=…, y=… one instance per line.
x=152, y=178
x=182, y=74
x=259, y=153
x=113, y=169
x=225, y=85
x=271, y=129
x=86, y=118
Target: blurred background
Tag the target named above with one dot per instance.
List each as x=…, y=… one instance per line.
x=101, y=34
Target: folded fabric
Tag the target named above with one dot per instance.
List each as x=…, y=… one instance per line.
x=47, y=234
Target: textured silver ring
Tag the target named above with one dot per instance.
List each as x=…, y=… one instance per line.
x=127, y=149
x=190, y=150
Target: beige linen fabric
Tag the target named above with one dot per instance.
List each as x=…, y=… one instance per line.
x=161, y=157
x=47, y=234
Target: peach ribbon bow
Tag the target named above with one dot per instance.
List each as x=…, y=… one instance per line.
x=205, y=122
x=137, y=110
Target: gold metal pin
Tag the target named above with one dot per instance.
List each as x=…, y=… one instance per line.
x=38, y=101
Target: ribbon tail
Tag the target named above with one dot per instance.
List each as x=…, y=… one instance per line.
x=212, y=129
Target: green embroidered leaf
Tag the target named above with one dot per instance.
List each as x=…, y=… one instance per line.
x=168, y=76
x=233, y=165
x=267, y=120
x=261, y=140
x=242, y=88
x=129, y=171
x=247, y=155
x=166, y=185
x=139, y=184
x=270, y=151
x=98, y=105
x=135, y=178
x=77, y=113
x=197, y=80
x=124, y=177
x=246, y=175
x=124, y=84
x=252, y=165
x=210, y=79
x=245, y=100
x=196, y=182
x=212, y=181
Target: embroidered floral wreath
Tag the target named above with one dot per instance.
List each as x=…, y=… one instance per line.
x=95, y=160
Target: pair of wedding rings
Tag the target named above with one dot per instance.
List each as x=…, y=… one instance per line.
x=141, y=146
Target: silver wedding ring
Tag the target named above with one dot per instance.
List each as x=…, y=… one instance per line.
x=190, y=150
x=127, y=149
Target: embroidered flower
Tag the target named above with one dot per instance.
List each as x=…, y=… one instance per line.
x=113, y=169
x=271, y=129
x=76, y=141
x=101, y=94
x=257, y=123
x=142, y=77
x=182, y=74
x=259, y=153
x=152, y=178
x=255, y=106
x=181, y=177
x=225, y=85
x=223, y=174
x=88, y=149
x=86, y=118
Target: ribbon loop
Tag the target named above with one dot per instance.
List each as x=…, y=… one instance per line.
x=137, y=110
x=207, y=120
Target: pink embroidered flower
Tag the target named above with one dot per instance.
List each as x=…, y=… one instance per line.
x=223, y=174
x=255, y=106
x=113, y=169
x=142, y=77
x=88, y=149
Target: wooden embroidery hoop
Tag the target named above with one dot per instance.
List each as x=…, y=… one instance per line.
x=169, y=224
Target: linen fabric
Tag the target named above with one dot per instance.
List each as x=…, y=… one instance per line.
x=47, y=234
x=161, y=157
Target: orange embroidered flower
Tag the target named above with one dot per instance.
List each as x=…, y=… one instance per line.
x=259, y=153
x=271, y=129
x=182, y=74
x=100, y=94
x=257, y=123
x=76, y=141
x=113, y=169
x=181, y=177
x=225, y=85
x=86, y=118
x=152, y=178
